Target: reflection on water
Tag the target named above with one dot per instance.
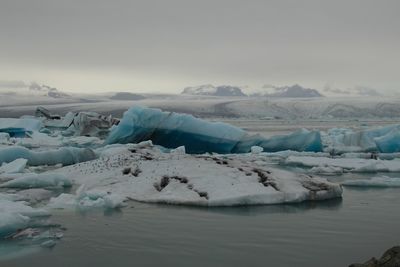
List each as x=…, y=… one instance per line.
x=328, y=233
x=331, y=204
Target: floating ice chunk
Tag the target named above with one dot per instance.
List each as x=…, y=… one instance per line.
x=256, y=149
x=172, y=130
x=348, y=164
x=63, y=201
x=11, y=222
x=7, y=206
x=389, y=143
x=301, y=140
x=179, y=150
x=15, y=166
x=42, y=180
x=87, y=200
x=4, y=138
x=83, y=141
x=15, y=216
x=383, y=181
x=38, y=139
x=11, y=197
x=19, y=127
x=327, y=170
x=65, y=156
x=382, y=139
x=100, y=199
x=34, y=195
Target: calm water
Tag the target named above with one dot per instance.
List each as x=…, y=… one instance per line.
x=333, y=233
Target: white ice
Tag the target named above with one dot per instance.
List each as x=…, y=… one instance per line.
x=42, y=180
x=383, y=181
x=347, y=164
x=146, y=174
x=15, y=166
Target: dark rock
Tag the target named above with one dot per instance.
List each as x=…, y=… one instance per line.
x=391, y=258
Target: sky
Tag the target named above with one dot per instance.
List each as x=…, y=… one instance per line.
x=164, y=46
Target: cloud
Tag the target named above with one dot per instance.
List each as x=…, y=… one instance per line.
x=366, y=91
x=11, y=84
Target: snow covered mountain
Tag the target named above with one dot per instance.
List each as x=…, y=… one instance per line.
x=33, y=93
x=208, y=89
x=47, y=90
x=33, y=90
x=287, y=91
x=362, y=91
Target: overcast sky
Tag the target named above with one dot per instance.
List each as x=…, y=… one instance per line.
x=165, y=45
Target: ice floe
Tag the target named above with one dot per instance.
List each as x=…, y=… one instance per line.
x=65, y=155
x=42, y=180
x=347, y=164
x=17, y=215
x=149, y=175
x=382, y=181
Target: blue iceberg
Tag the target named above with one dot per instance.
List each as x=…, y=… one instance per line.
x=172, y=130
x=389, y=143
x=383, y=139
x=19, y=127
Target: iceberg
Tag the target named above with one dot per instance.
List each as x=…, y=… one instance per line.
x=11, y=222
x=173, y=130
x=15, y=166
x=389, y=143
x=86, y=201
x=16, y=215
x=42, y=180
x=301, y=140
x=144, y=173
x=383, y=139
x=64, y=156
x=19, y=127
x=78, y=124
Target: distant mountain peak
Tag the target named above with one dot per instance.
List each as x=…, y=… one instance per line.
x=293, y=91
x=50, y=91
x=209, y=89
